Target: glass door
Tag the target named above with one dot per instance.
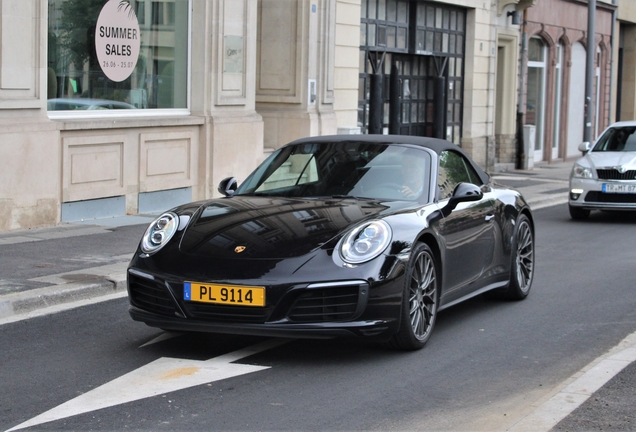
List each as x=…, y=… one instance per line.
x=535, y=99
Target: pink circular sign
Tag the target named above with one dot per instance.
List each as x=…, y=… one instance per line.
x=117, y=39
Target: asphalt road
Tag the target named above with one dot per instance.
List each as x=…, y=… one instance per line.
x=485, y=364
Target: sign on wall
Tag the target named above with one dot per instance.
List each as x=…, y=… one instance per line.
x=117, y=40
x=233, y=54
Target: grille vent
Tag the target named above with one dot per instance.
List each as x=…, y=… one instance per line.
x=600, y=197
x=614, y=174
x=150, y=295
x=326, y=304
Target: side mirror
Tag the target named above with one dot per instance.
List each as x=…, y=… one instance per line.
x=228, y=186
x=585, y=147
x=464, y=192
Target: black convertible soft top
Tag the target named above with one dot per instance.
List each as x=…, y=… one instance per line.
x=435, y=144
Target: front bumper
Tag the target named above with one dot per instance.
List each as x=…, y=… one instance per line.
x=327, y=309
x=377, y=330
x=588, y=194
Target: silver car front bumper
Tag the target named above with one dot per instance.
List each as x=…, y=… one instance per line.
x=602, y=194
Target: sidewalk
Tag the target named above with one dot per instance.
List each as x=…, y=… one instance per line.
x=49, y=269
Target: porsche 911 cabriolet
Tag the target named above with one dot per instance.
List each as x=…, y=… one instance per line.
x=333, y=236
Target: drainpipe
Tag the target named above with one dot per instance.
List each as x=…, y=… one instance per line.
x=589, y=70
x=523, y=66
x=614, y=44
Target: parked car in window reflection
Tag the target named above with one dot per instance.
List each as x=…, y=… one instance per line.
x=72, y=104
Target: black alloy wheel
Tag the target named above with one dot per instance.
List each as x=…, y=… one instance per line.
x=522, y=271
x=420, y=300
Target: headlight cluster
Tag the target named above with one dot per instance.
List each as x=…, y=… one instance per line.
x=159, y=232
x=582, y=172
x=365, y=242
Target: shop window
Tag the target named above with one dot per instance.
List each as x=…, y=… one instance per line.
x=79, y=78
x=385, y=24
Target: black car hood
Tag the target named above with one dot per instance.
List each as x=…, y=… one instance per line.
x=266, y=227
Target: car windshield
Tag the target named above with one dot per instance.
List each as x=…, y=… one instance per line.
x=617, y=139
x=343, y=169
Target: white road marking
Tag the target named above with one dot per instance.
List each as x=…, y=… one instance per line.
x=528, y=178
x=162, y=376
x=162, y=337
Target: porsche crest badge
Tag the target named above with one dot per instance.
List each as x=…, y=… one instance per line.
x=239, y=249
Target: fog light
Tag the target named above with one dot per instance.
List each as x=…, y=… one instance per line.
x=575, y=194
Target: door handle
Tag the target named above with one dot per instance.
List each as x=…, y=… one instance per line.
x=489, y=217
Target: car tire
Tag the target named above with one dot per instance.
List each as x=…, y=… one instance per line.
x=420, y=300
x=578, y=213
x=522, y=265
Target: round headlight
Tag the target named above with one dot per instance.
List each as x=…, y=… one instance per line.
x=365, y=242
x=159, y=232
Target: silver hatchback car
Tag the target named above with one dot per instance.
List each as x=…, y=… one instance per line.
x=605, y=177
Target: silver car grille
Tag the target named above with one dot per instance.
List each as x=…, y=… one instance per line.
x=614, y=174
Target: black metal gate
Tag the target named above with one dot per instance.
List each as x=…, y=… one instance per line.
x=424, y=51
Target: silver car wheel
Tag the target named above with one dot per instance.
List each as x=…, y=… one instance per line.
x=525, y=256
x=423, y=295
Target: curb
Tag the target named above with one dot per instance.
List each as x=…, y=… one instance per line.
x=20, y=305
x=574, y=391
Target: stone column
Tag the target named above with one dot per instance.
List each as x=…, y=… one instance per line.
x=223, y=72
x=30, y=156
x=295, y=69
x=628, y=85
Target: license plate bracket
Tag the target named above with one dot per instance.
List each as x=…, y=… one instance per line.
x=224, y=294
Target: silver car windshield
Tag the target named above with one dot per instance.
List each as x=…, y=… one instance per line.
x=337, y=169
x=617, y=139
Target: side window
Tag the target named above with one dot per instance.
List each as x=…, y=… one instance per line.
x=474, y=178
x=297, y=170
x=454, y=169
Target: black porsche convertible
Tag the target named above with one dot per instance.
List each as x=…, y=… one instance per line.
x=367, y=235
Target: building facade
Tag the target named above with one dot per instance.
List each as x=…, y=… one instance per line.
x=555, y=103
x=624, y=72
x=115, y=107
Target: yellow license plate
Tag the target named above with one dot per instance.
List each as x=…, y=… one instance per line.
x=237, y=295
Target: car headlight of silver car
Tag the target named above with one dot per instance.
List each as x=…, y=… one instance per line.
x=580, y=171
x=365, y=242
x=159, y=232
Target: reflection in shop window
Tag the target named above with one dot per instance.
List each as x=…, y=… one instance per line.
x=75, y=78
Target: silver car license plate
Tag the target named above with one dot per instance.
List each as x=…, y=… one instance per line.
x=619, y=188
